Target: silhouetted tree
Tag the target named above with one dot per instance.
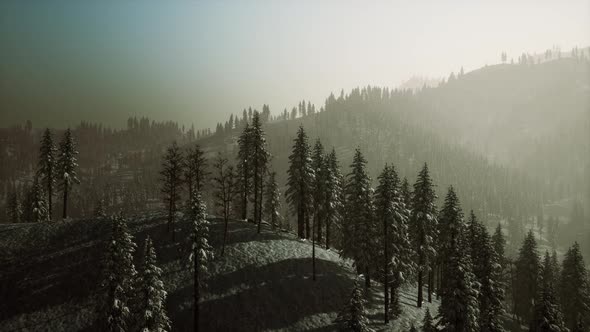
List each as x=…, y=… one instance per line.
x=171, y=177
x=224, y=191
x=527, y=273
x=195, y=170
x=299, y=183
x=66, y=165
x=47, y=167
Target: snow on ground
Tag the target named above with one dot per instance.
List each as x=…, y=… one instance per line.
x=49, y=276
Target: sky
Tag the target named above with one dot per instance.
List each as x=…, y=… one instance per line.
x=196, y=62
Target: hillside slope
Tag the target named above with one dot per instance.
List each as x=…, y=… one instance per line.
x=51, y=272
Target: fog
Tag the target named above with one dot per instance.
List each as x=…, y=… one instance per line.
x=196, y=62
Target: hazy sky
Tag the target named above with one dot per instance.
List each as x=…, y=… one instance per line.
x=61, y=62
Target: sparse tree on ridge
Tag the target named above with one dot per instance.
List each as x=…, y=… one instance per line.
x=66, y=166
x=259, y=158
x=195, y=166
x=171, y=177
x=243, y=167
x=201, y=252
x=272, y=205
x=152, y=294
x=299, y=183
x=47, y=168
x=224, y=191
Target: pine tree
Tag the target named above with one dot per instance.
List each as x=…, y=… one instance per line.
x=152, y=294
x=428, y=323
x=333, y=203
x=487, y=271
x=259, y=158
x=66, y=166
x=14, y=208
x=171, y=177
x=459, y=308
x=201, y=251
x=299, y=183
x=47, y=167
x=423, y=224
x=526, y=282
x=244, y=169
x=547, y=316
x=413, y=328
x=391, y=211
x=406, y=193
x=272, y=206
x=575, y=293
x=119, y=276
x=224, y=192
x=358, y=229
x=195, y=173
x=353, y=316
x=99, y=210
x=319, y=166
x=499, y=243
x=39, y=211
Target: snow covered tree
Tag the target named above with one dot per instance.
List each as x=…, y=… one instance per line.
x=428, y=323
x=423, y=225
x=39, y=211
x=547, y=316
x=171, y=177
x=201, y=252
x=195, y=170
x=66, y=166
x=459, y=307
x=47, y=167
x=526, y=281
x=333, y=203
x=244, y=169
x=499, y=243
x=272, y=204
x=488, y=274
x=14, y=208
x=391, y=212
x=359, y=229
x=299, y=182
x=406, y=193
x=353, y=316
x=574, y=290
x=318, y=163
x=152, y=294
x=223, y=191
x=259, y=158
x=119, y=277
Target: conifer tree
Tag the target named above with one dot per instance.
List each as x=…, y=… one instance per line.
x=15, y=211
x=423, y=225
x=201, y=252
x=152, y=294
x=413, y=328
x=39, y=211
x=406, y=193
x=99, y=210
x=244, y=169
x=391, y=212
x=224, y=192
x=359, y=229
x=299, y=183
x=488, y=274
x=428, y=323
x=119, y=277
x=353, y=316
x=333, y=203
x=259, y=158
x=66, y=166
x=459, y=308
x=318, y=163
x=547, y=316
x=499, y=243
x=171, y=177
x=47, y=167
x=526, y=282
x=195, y=166
x=272, y=206
x=575, y=293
